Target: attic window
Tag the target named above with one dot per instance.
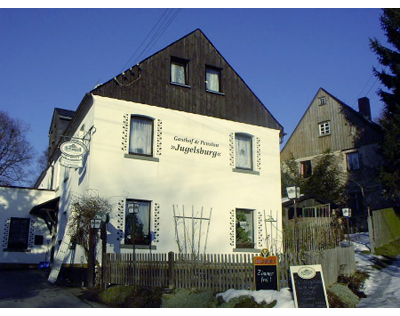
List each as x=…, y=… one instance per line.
x=322, y=101
x=179, y=73
x=324, y=128
x=213, y=79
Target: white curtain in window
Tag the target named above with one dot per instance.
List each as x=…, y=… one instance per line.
x=212, y=78
x=141, y=136
x=178, y=73
x=243, y=151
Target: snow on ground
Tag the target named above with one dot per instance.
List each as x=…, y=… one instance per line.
x=283, y=297
x=382, y=287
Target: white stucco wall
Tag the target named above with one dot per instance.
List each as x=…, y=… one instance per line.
x=17, y=202
x=184, y=180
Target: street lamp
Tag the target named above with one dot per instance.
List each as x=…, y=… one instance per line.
x=293, y=194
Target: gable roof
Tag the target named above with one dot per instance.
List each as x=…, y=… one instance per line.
x=149, y=83
x=305, y=133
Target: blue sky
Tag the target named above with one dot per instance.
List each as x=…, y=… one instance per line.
x=51, y=57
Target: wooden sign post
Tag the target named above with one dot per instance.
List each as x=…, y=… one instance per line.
x=266, y=273
x=308, y=286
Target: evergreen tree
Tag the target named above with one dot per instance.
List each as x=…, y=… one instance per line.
x=326, y=181
x=389, y=76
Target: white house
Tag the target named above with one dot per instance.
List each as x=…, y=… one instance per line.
x=184, y=151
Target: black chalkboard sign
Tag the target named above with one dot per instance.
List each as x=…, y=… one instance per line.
x=308, y=286
x=266, y=273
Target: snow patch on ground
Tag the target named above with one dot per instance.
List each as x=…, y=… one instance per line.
x=283, y=297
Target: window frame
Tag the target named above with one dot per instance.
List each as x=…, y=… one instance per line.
x=252, y=243
x=356, y=154
x=19, y=245
x=147, y=239
x=219, y=72
x=304, y=164
x=324, y=128
x=322, y=100
x=183, y=63
x=144, y=118
x=251, y=154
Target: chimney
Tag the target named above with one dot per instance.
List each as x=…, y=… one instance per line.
x=364, y=108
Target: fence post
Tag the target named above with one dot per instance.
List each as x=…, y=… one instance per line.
x=171, y=269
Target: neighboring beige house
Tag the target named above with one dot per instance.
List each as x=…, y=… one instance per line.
x=329, y=123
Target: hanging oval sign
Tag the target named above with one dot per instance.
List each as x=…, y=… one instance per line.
x=73, y=148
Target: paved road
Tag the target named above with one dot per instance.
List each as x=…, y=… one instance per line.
x=29, y=288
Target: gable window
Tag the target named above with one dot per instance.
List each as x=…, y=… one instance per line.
x=324, y=128
x=18, y=233
x=179, y=73
x=306, y=168
x=213, y=79
x=244, y=151
x=353, y=162
x=137, y=222
x=322, y=101
x=244, y=229
x=141, y=136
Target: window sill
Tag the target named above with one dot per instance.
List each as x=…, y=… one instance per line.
x=325, y=135
x=253, y=250
x=181, y=85
x=245, y=171
x=148, y=158
x=151, y=247
x=215, y=92
x=16, y=250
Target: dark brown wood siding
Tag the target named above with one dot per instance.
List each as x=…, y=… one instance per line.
x=152, y=85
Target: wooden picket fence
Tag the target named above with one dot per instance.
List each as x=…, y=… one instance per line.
x=216, y=272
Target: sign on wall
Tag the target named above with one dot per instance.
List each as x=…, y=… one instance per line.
x=308, y=286
x=72, y=154
x=266, y=273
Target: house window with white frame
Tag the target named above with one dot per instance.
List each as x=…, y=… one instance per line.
x=244, y=151
x=141, y=136
x=322, y=101
x=324, y=128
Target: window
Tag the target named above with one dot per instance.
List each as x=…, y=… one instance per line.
x=179, y=71
x=306, y=168
x=322, y=101
x=244, y=151
x=353, y=162
x=137, y=222
x=19, y=233
x=141, y=136
x=213, y=79
x=324, y=128
x=244, y=229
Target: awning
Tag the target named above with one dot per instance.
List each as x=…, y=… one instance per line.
x=48, y=211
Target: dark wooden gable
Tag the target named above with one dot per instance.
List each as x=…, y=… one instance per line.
x=349, y=129
x=150, y=83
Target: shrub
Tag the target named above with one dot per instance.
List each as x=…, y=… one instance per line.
x=184, y=298
x=339, y=295
x=245, y=302
x=117, y=295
